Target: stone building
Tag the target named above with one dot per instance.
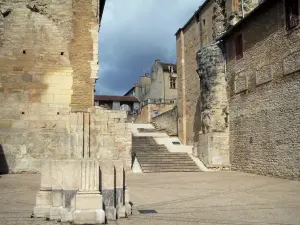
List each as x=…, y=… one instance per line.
x=134, y=91
x=211, y=19
x=263, y=76
x=161, y=84
x=48, y=124
x=125, y=103
x=158, y=90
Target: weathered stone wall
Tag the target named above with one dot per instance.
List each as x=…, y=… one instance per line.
x=147, y=111
x=213, y=146
x=44, y=74
x=167, y=121
x=145, y=84
x=206, y=20
x=167, y=92
x=110, y=136
x=235, y=12
x=213, y=85
x=187, y=44
x=102, y=134
x=264, y=96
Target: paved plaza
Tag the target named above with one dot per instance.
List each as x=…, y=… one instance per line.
x=178, y=198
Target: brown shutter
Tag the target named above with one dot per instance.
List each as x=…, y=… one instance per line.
x=239, y=47
x=291, y=13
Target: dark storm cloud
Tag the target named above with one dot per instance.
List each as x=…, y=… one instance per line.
x=133, y=34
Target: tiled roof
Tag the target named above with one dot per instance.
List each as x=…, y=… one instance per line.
x=109, y=98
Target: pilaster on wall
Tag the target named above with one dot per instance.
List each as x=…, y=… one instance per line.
x=183, y=82
x=84, y=63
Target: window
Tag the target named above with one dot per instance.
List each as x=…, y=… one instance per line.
x=172, y=83
x=239, y=47
x=291, y=13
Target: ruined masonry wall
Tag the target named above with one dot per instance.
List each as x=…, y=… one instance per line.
x=48, y=66
x=167, y=121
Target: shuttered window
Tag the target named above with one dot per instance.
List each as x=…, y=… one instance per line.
x=291, y=13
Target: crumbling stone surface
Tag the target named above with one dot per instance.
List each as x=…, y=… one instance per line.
x=43, y=78
x=218, y=26
x=213, y=96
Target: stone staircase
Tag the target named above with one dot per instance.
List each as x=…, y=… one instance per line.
x=155, y=158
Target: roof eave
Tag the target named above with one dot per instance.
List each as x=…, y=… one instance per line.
x=192, y=17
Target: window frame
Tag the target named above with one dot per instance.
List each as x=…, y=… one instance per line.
x=172, y=82
x=239, y=46
x=288, y=21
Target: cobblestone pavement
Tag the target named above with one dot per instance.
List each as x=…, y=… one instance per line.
x=208, y=198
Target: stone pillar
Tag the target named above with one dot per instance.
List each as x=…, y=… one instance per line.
x=120, y=189
x=88, y=200
x=183, y=78
x=213, y=147
x=44, y=196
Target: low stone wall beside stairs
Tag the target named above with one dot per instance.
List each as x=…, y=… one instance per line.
x=167, y=121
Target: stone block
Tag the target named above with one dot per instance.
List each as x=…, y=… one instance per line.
x=67, y=215
x=110, y=213
x=88, y=207
x=241, y=82
x=71, y=174
x=291, y=63
x=213, y=148
x=55, y=213
x=41, y=211
x=89, y=217
x=5, y=124
x=57, y=174
x=121, y=211
x=88, y=200
x=43, y=204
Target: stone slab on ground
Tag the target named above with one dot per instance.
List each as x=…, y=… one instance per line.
x=229, y=198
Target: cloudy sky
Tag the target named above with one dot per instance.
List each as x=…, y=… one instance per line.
x=133, y=34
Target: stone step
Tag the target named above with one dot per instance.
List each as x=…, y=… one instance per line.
x=163, y=166
x=167, y=162
x=169, y=170
x=159, y=154
x=151, y=147
x=156, y=158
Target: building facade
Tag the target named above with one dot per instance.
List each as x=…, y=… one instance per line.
x=263, y=75
x=130, y=104
x=161, y=84
x=211, y=19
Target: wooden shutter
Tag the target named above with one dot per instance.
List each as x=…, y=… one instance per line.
x=291, y=13
x=239, y=47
